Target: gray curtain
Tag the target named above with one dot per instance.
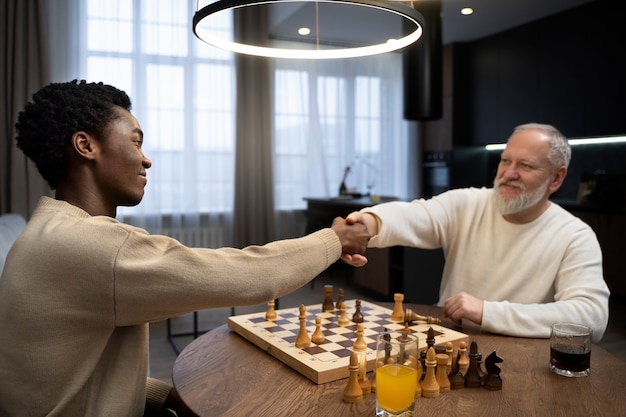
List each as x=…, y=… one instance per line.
x=24, y=70
x=254, y=197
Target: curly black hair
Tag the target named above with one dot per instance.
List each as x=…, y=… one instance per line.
x=56, y=112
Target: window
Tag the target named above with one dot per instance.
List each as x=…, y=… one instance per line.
x=183, y=94
x=331, y=115
x=327, y=115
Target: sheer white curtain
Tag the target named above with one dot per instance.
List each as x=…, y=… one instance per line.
x=183, y=94
x=336, y=113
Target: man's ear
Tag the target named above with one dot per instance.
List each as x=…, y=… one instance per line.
x=557, y=180
x=84, y=145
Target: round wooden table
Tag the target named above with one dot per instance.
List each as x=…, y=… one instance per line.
x=222, y=374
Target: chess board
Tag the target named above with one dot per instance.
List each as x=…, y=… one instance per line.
x=328, y=361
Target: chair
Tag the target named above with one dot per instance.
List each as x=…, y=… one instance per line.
x=11, y=225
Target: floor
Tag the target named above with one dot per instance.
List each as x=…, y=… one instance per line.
x=163, y=355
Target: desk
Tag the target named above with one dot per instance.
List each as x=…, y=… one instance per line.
x=222, y=374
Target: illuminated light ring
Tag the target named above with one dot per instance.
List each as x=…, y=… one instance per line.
x=406, y=12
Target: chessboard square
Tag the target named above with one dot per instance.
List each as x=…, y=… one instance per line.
x=291, y=326
x=329, y=321
x=315, y=311
x=343, y=353
x=342, y=330
x=314, y=349
x=272, y=328
x=377, y=321
x=283, y=334
x=281, y=321
x=334, y=338
x=327, y=356
x=331, y=346
x=257, y=319
x=350, y=335
x=435, y=332
x=373, y=332
x=348, y=343
x=330, y=326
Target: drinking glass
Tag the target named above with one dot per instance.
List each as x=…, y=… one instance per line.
x=396, y=374
x=570, y=349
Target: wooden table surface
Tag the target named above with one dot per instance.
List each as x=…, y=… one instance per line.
x=222, y=374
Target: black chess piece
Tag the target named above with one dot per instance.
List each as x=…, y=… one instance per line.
x=472, y=376
x=357, y=317
x=493, y=381
x=328, y=304
x=340, y=299
x=387, y=338
x=430, y=338
x=430, y=342
x=481, y=373
x=457, y=380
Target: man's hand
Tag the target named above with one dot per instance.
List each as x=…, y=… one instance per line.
x=464, y=306
x=355, y=260
x=353, y=238
x=371, y=224
x=367, y=219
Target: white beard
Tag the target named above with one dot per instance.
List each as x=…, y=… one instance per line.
x=521, y=202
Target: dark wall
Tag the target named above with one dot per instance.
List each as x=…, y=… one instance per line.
x=567, y=70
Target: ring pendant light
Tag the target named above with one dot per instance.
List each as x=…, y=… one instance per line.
x=363, y=17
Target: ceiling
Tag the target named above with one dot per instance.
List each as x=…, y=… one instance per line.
x=354, y=26
x=493, y=16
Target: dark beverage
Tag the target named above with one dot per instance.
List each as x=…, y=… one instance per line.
x=574, y=362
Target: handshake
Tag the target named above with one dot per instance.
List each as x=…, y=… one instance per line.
x=354, y=232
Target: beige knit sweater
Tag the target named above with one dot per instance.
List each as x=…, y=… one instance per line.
x=77, y=294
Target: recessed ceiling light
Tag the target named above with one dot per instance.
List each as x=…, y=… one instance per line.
x=304, y=31
x=466, y=11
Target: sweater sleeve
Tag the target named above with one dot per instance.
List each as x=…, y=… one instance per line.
x=157, y=392
x=418, y=223
x=581, y=296
x=157, y=277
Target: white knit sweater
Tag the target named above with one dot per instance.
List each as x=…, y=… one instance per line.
x=530, y=275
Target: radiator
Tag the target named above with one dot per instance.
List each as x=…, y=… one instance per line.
x=202, y=237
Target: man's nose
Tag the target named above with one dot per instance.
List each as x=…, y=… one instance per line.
x=511, y=172
x=146, y=162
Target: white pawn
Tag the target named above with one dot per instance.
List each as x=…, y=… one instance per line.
x=464, y=358
x=397, y=315
x=343, y=317
x=271, y=315
x=360, y=345
x=318, y=335
x=450, y=353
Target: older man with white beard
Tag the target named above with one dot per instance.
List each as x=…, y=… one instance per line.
x=515, y=261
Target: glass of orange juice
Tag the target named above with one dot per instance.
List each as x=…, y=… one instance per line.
x=396, y=374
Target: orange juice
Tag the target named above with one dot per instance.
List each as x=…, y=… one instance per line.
x=395, y=386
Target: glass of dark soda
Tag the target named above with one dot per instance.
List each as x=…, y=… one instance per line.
x=570, y=349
